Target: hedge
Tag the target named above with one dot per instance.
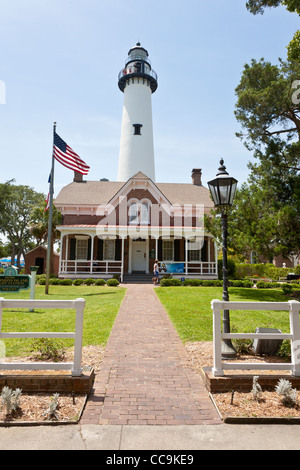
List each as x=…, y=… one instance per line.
x=261, y=270
x=204, y=283
x=112, y=282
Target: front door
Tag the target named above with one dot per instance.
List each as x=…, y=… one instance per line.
x=139, y=256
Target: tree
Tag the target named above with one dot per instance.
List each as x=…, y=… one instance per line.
x=266, y=104
x=16, y=205
x=265, y=217
x=258, y=6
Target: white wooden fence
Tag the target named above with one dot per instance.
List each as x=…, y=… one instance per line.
x=78, y=305
x=292, y=307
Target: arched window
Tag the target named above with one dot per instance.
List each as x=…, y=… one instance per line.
x=145, y=213
x=133, y=213
x=139, y=212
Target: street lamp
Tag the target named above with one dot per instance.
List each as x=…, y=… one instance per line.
x=222, y=190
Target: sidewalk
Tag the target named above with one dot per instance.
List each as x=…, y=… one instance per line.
x=143, y=380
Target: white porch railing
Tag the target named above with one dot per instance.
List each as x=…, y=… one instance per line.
x=74, y=366
x=195, y=268
x=87, y=267
x=292, y=307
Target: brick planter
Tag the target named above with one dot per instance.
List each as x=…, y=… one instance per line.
x=48, y=382
x=243, y=383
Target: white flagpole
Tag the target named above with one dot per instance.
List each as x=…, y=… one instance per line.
x=50, y=219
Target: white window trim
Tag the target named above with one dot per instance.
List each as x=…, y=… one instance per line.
x=163, y=250
x=104, y=249
x=139, y=204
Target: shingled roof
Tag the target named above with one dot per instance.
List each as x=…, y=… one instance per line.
x=101, y=192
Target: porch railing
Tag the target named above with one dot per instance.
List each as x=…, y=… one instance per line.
x=86, y=267
x=192, y=267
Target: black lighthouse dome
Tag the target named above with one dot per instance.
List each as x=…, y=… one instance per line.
x=138, y=64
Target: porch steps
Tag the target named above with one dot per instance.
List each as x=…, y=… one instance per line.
x=137, y=278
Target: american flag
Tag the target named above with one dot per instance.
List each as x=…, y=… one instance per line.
x=67, y=157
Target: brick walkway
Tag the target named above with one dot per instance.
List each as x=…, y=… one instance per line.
x=142, y=378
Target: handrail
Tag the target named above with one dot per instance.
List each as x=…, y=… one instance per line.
x=293, y=307
x=78, y=305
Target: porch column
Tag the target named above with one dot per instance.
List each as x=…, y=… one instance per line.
x=92, y=253
x=60, y=253
x=216, y=257
x=122, y=259
x=66, y=255
x=208, y=255
x=186, y=255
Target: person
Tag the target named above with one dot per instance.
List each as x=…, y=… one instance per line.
x=155, y=272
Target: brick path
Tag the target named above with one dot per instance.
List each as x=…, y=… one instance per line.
x=142, y=378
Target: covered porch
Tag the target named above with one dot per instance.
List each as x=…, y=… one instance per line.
x=106, y=252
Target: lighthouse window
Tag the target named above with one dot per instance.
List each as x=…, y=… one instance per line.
x=137, y=129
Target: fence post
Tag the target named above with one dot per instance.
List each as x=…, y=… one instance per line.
x=77, y=369
x=295, y=331
x=217, y=338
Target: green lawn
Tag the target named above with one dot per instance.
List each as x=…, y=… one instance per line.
x=102, y=306
x=190, y=310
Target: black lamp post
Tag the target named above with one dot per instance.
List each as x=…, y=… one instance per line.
x=222, y=190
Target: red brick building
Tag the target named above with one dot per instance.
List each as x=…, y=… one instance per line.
x=121, y=228
x=38, y=257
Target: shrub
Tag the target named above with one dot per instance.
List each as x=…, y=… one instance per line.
x=231, y=268
x=45, y=349
x=256, y=388
x=287, y=289
x=77, y=282
x=10, y=399
x=170, y=282
x=66, y=282
x=261, y=270
x=192, y=282
x=100, y=282
x=112, y=282
x=54, y=282
x=212, y=283
x=289, y=395
x=241, y=283
x=297, y=269
x=268, y=285
x=89, y=282
x=42, y=281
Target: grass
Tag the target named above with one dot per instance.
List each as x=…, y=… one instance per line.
x=102, y=306
x=190, y=310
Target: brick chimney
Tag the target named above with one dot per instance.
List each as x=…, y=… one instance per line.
x=77, y=177
x=196, y=176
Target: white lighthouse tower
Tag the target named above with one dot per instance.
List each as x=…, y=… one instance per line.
x=137, y=81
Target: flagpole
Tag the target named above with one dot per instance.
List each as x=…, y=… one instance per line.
x=50, y=219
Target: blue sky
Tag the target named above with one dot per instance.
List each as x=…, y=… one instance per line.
x=60, y=61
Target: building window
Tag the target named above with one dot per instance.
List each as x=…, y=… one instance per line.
x=133, y=213
x=137, y=129
x=194, y=250
x=81, y=248
x=145, y=213
x=168, y=250
x=109, y=250
x=139, y=213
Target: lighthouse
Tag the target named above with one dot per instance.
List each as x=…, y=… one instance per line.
x=137, y=80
